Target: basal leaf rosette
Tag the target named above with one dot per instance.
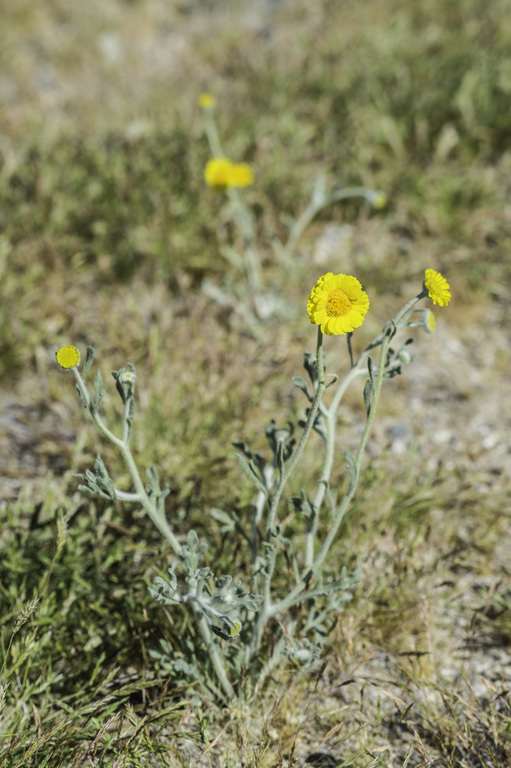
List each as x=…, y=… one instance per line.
x=437, y=287
x=337, y=304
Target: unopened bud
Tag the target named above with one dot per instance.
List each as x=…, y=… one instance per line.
x=128, y=377
x=428, y=321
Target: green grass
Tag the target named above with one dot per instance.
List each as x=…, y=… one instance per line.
x=107, y=232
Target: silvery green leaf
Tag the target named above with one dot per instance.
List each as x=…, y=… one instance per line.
x=223, y=517
x=370, y=368
x=86, y=489
x=328, y=496
x=172, y=576
x=85, y=402
x=320, y=426
x=389, y=329
x=192, y=540
x=120, y=389
x=243, y=447
x=251, y=473
x=252, y=602
x=368, y=395
x=223, y=582
x=311, y=366
x=279, y=457
x=281, y=442
x=352, y=469
x=153, y=487
x=88, y=362
x=99, y=392
x=300, y=382
x=153, y=476
x=303, y=505
x=163, y=592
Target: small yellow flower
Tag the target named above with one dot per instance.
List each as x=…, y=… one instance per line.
x=68, y=357
x=128, y=377
x=240, y=176
x=337, y=304
x=437, y=287
x=206, y=101
x=218, y=172
x=222, y=174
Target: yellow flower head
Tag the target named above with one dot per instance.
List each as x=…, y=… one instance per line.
x=206, y=101
x=218, y=172
x=437, y=287
x=338, y=304
x=68, y=357
x=241, y=176
x=222, y=174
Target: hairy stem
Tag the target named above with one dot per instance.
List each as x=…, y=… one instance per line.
x=266, y=609
x=161, y=524
x=315, y=567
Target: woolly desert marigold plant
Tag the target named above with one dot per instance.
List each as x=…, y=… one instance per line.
x=337, y=304
x=68, y=357
x=437, y=287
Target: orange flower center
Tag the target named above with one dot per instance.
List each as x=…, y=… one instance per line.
x=338, y=303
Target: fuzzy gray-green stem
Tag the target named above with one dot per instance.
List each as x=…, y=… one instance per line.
x=213, y=652
x=296, y=595
x=330, y=414
x=266, y=610
x=126, y=426
x=212, y=134
x=241, y=214
x=142, y=497
x=159, y=520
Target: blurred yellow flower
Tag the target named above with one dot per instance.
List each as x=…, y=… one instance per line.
x=206, y=101
x=338, y=304
x=222, y=173
x=217, y=172
x=241, y=175
x=437, y=287
x=68, y=357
